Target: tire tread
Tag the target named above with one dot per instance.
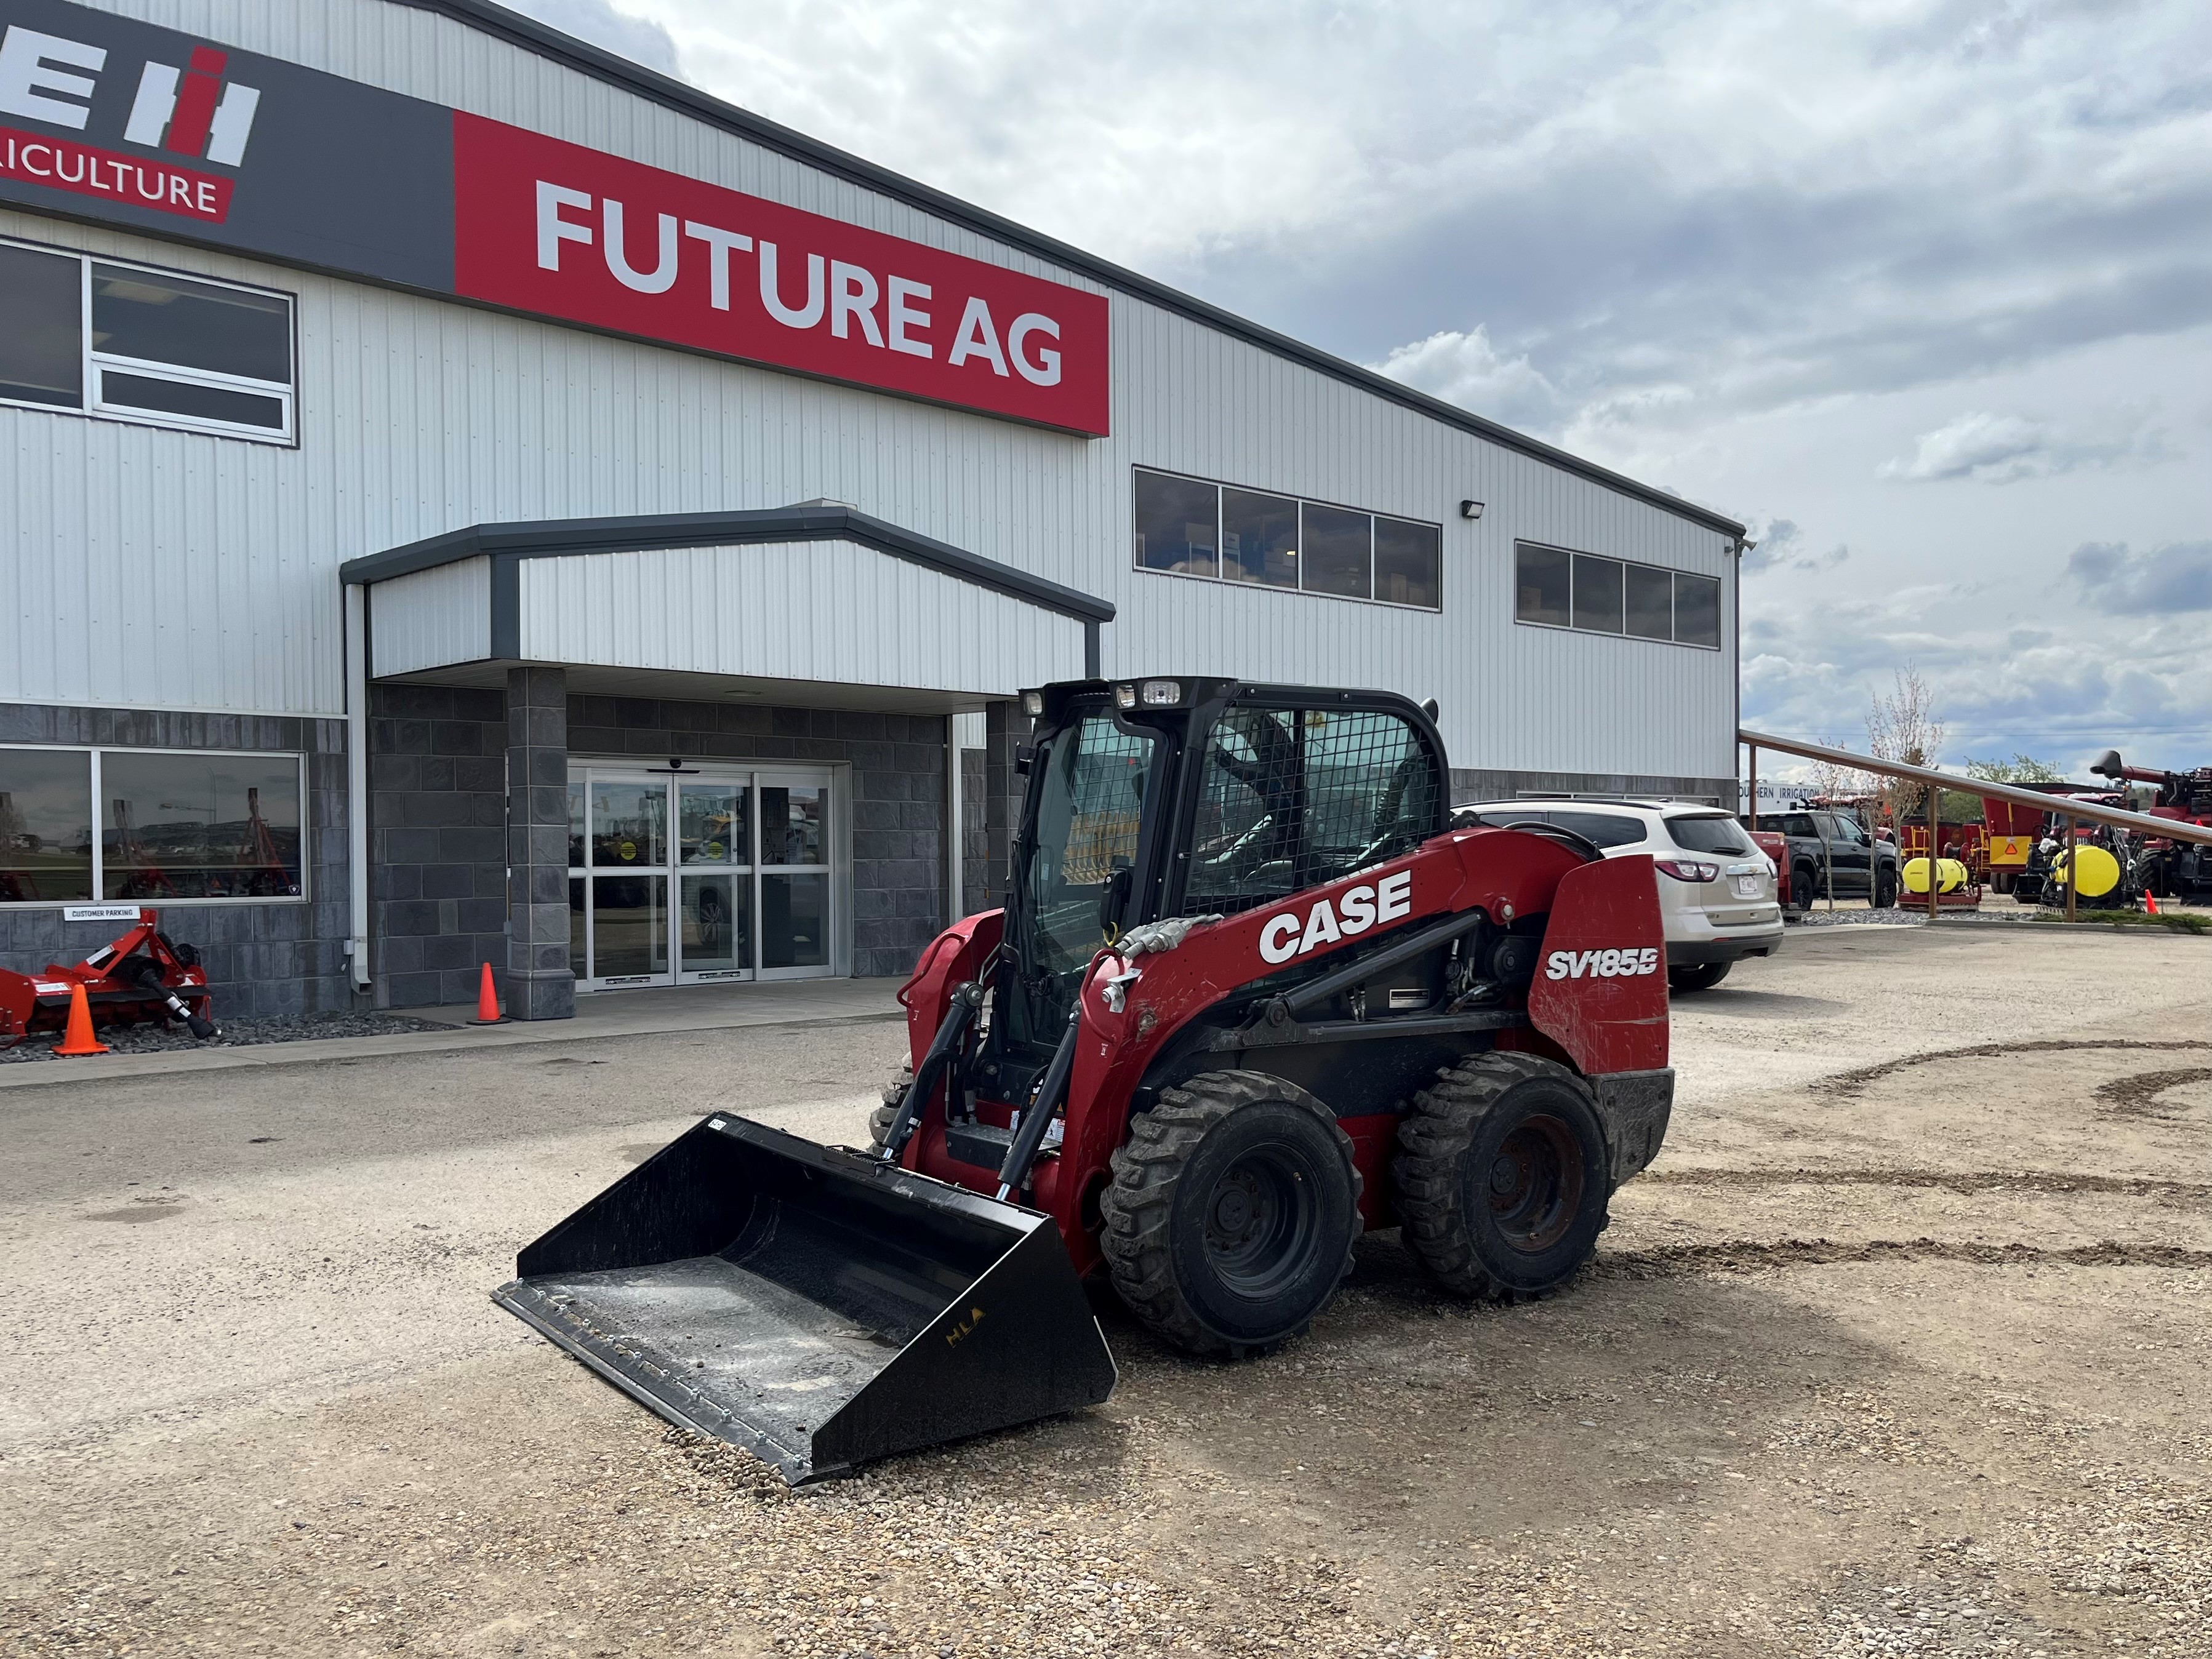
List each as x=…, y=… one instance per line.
x=1137, y=1203
x=1432, y=1139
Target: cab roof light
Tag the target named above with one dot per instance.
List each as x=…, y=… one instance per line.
x=1162, y=694
x=1033, y=703
x=1125, y=696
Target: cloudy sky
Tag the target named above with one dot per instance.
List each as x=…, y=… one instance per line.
x=1922, y=291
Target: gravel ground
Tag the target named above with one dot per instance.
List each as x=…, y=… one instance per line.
x=231, y=1033
x=1900, y=1350
x=1862, y=916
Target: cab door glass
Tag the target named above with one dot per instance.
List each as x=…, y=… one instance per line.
x=1090, y=803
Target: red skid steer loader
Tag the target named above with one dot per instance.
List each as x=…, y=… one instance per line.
x=1249, y=995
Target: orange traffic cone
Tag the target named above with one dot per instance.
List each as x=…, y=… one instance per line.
x=77, y=1040
x=487, y=1001
x=2150, y=903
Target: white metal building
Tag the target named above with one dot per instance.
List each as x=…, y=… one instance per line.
x=472, y=499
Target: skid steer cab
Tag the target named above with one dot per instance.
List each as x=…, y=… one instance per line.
x=1249, y=995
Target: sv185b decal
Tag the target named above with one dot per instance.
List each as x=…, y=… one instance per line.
x=1602, y=964
x=1356, y=911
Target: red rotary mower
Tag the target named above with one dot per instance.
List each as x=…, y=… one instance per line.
x=1251, y=995
x=137, y=977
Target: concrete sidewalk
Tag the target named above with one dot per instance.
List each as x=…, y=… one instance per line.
x=600, y=1017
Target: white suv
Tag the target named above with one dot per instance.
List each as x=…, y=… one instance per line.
x=1716, y=891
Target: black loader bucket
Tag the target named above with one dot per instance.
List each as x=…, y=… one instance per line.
x=812, y=1304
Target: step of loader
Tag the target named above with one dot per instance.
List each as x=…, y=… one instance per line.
x=812, y=1304
x=978, y=1144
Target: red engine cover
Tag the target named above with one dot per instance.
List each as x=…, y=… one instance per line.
x=1600, y=985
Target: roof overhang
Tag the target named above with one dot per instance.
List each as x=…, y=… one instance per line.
x=767, y=602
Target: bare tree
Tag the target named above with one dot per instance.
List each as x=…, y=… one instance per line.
x=1837, y=782
x=1905, y=728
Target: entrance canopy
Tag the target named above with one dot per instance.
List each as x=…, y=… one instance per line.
x=819, y=605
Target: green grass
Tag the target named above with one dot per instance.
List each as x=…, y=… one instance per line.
x=2173, y=921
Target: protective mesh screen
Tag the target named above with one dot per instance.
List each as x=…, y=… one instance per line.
x=1292, y=798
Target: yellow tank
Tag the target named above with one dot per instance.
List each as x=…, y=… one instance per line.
x=2100, y=873
x=1950, y=875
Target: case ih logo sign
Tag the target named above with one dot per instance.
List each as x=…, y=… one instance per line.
x=124, y=122
x=54, y=79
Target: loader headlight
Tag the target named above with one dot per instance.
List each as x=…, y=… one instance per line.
x=1125, y=696
x=1163, y=694
x=1033, y=703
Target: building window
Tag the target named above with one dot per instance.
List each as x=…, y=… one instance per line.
x=1189, y=527
x=1554, y=588
x=131, y=344
x=171, y=825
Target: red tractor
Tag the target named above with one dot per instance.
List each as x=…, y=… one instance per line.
x=1250, y=996
x=2164, y=868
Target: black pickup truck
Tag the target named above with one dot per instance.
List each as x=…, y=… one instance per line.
x=1825, y=845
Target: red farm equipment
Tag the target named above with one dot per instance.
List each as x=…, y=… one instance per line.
x=138, y=977
x=2167, y=868
x=1250, y=996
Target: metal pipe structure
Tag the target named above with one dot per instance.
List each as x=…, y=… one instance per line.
x=2071, y=826
x=2087, y=812
x=1935, y=856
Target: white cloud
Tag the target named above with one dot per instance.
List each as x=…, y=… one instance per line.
x=597, y=22
x=2000, y=449
x=1993, y=448
x=2164, y=582
x=1466, y=369
x=2063, y=688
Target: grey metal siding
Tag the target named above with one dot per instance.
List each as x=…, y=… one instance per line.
x=828, y=611
x=430, y=618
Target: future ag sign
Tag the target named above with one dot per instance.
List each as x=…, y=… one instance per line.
x=104, y=117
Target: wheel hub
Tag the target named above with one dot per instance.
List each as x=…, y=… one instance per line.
x=1256, y=1220
x=1536, y=1183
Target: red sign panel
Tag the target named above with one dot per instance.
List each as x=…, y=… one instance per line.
x=132, y=180
x=552, y=227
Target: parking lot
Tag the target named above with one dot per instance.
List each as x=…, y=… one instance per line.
x=1900, y=1348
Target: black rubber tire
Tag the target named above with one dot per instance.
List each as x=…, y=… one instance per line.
x=1885, y=891
x=1697, y=977
x=879, y=1120
x=1496, y=1115
x=1230, y=1150
x=1801, y=894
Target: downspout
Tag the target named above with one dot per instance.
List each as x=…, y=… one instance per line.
x=956, y=900
x=357, y=673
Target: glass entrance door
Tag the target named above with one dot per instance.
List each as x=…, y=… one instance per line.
x=694, y=878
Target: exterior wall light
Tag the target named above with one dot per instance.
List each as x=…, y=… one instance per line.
x=1470, y=509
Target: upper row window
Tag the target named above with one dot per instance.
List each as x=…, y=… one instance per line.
x=1193, y=528
x=1555, y=588
x=100, y=338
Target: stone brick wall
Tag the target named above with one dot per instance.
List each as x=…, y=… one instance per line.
x=897, y=763
x=437, y=778
x=264, y=958
x=974, y=836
